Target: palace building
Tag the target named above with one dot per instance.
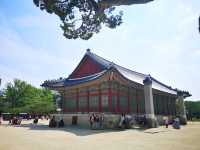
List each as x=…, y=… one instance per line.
x=99, y=85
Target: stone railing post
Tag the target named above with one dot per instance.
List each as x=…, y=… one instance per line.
x=182, y=111
x=149, y=107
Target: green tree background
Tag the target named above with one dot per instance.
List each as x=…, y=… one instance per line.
x=20, y=96
x=193, y=109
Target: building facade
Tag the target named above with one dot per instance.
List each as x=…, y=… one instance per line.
x=99, y=85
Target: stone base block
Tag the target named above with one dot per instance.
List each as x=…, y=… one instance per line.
x=151, y=122
x=183, y=120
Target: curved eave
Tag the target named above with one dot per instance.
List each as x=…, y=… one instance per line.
x=77, y=81
x=53, y=84
x=162, y=87
x=139, y=77
x=185, y=94
x=72, y=82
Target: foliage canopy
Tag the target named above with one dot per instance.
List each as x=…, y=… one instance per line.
x=193, y=109
x=22, y=97
x=81, y=18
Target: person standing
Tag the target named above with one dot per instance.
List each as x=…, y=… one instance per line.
x=122, y=120
x=166, y=122
x=92, y=120
x=101, y=119
x=0, y=120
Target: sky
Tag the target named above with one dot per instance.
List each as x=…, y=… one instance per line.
x=160, y=38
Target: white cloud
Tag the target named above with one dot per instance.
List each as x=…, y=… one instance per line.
x=32, y=21
x=26, y=62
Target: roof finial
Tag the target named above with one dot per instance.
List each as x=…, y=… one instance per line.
x=88, y=50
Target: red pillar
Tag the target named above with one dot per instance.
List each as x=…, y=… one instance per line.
x=110, y=97
x=100, y=104
x=88, y=105
x=63, y=102
x=137, y=101
x=128, y=108
x=118, y=108
x=77, y=101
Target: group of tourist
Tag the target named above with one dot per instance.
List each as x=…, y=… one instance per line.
x=124, y=121
x=53, y=123
x=18, y=120
x=175, y=123
x=15, y=121
x=1, y=119
x=12, y=121
x=96, y=121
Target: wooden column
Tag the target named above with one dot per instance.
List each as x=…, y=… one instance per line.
x=88, y=97
x=169, y=105
x=137, y=102
x=174, y=106
x=100, y=103
x=118, y=90
x=154, y=103
x=77, y=100
x=62, y=101
x=109, y=97
x=157, y=106
x=164, y=105
x=168, y=112
x=128, y=108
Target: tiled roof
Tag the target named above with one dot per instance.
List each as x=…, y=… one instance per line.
x=106, y=65
x=132, y=75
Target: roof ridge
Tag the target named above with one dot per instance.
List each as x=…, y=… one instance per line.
x=167, y=86
x=132, y=70
x=111, y=62
x=93, y=55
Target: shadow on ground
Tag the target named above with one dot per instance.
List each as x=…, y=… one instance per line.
x=77, y=130
x=84, y=131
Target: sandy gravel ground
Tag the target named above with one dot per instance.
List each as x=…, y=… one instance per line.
x=40, y=137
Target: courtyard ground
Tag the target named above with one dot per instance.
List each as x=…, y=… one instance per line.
x=40, y=137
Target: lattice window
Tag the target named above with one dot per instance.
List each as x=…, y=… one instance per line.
x=70, y=104
x=83, y=103
x=141, y=101
x=123, y=103
x=133, y=101
x=105, y=103
x=94, y=103
x=114, y=103
x=104, y=87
